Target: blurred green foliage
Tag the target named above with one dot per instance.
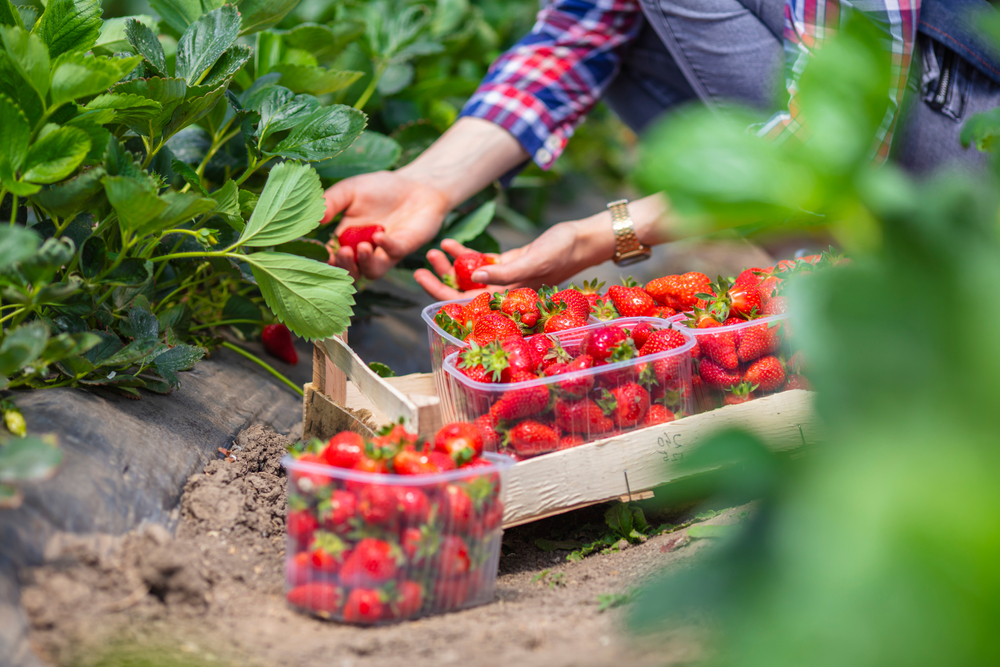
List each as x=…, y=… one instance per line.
x=881, y=548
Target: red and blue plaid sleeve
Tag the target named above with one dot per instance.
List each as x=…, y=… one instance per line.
x=544, y=86
x=809, y=23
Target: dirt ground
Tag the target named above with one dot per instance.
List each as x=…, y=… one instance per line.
x=212, y=594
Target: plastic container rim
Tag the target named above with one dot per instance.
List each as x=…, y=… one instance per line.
x=500, y=463
x=428, y=315
x=449, y=362
x=734, y=327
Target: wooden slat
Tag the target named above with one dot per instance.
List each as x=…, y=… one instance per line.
x=322, y=418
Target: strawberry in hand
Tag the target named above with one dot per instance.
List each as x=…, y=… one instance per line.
x=350, y=237
x=465, y=266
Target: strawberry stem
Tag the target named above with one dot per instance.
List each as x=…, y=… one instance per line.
x=270, y=369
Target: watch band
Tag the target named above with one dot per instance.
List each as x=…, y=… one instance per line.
x=628, y=248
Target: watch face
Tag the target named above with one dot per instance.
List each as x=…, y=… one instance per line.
x=633, y=259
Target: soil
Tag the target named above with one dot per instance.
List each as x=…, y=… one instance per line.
x=212, y=594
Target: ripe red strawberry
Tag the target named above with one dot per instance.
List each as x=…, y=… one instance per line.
x=679, y=292
x=317, y=596
x=777, y=305
x=767, y=373
x=516, y=356
x=450, y=593
x=741, y=295
x=465, y=266
x=298, y=570
x=530, y=438
x=487, y=426
x=453, y=556
x=352, y=236
x=461, y=441
x=574, y=301
x=720, y=347
x=798, y=382
x=364, y=606
x=758, y=341
x=344, y=450
x=562, y=321
x=371, y=563
x=521, y=305
x=741, y=393
x=309, y=482
x=626, y=404
x=521, y=402
x=494, y=326
x=570, y=441
x=640, y=333
x=377, y=504
x=327, y=552
x=301, y=524
x=414, y=461
x=452, y=319
x=665, y=312
x=407, y=601
x=457, y=510
x=277, y=341
x=337, y=512
x=582, y=416
x=716, y=376
x=601, y=344
x=662, y=340
x=476, y=308
x=591, y=291
x=412, y=505
x=658, y=414
x=540, y=346
x=631, y=301
x=577, y=386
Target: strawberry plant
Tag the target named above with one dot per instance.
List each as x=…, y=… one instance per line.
x=157, y=190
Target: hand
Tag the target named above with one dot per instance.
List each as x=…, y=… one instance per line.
x=410, y=211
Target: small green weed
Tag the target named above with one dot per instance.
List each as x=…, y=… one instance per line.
x=612, y=600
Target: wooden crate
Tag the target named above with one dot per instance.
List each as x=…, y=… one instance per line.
x=625, y=466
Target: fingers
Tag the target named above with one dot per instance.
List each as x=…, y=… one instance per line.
x=344, y=258
x=439, y=262
x=454, y=248
x=521, y=269
x=338, y=198
x=436, y=288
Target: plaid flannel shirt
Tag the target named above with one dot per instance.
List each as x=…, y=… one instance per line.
x=543, y=87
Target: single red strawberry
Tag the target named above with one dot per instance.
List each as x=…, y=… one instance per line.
x=364, y=606
x=740, y=296
x=601, y=344
x=521, y=402
x=626, y=404
x=757, y=341
x=798, y=382
x=344, y=450
x=631, y=301
x=301, y=524
x=450, y=593
x=352, y=236
x=377, y=504
x=521, y=305
x=582, y=416
x=658, y=414
x=717, y=376
x=412, y=505
x=407, y=600
x=327, y=552
x=574, y=387
x=680, y=291
x=453, y=556
x=451, y=318
x=530, y=438
x=665, y=312
x=494, y=326
x=476, y=308
x=298, y=570
x=540, y=346
x=574, y=301
x=719, y=347
x=662, y=340
x=777, y=305
x=640, y=333
x=317, y=596
x=457, y=510
x=419, y=544
x=570, y=441
x=767, y=373
x=461, y=441
x=482, y=363
x=277, y=341
x=371, y=563
x=338, y=511
x=487, y=426
x=465, y=266
x=517, y=356
x=591, y=291
x=562, y=321
x=741, y=393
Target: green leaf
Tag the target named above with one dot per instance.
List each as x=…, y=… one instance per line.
x=180, y=207
x=126, y=107
x=280, y=110
x=189, y=175
x=619, y=519
x=134, y=200
x=310, y=248
x=313, y=299
x=248, y=202
x=473, y=224
x=314, y=80
x=371, y=152
x=56, y=155
x=9, y=14
x=132, y=272
x=112, y=38
x=260, y=14
x=198, y=102
x=16, y=245
x=448, y=15
x=21, y=346
x=16, y=132
x=146, y=44
x=131, y=353
x=983, y=129
x=169, y=93
x=241, y=308
x=69, y=25
x=228, y=205
x=110, y=344
x=291, y=205
x=140, y=324
x=381, y=369
x=322, y=134
x=204, y=41
x=178, y=358
x=77, y=75
x=228, y=65
x=179, y=14
x=93, y=256
x=395, y=78
x=28, y=459
x=267, y=53
x=29, y=15
x=67, y=345
x=323, y=42
x=29, y=56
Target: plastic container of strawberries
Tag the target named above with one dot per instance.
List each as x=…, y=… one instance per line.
x=441, y=342
x=565, y=404
x=754, y=354
x=439, y=555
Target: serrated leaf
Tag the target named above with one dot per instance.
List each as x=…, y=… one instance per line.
x=248, y=202
x=66, y=345
x=77, y=75
x=134, y=200
x=322, y=134
x=29, y=56
x=29, y=15
x=16, y=245
x=314, y=80
x=313, y=299
x=28, y=459
x=291, y=205
x=473, y=224
x=21, y=346
x=126, y=107
x=371, y=152
x=112, y=38
x=228, y=205
x=97, y=135
x=189, y=175
x=323, y=42
x=260, y=14
x=131, y=353
x=176, y=359
x=146, y=44
x=69, y=25
x=93, y=255
x=196, y=105
x=16, y=132
x=228, y=65
x=280, y=109
x=56, y=155
x=180, y=207
x=179, y=14
x=109, y=345
x=169, y=93
x=9, y=14
x=204, y=42
x=140, y=324
x=267, y=52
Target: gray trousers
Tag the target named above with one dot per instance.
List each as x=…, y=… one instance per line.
x=721, y=52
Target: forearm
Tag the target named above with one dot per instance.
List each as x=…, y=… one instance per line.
x=469, y=156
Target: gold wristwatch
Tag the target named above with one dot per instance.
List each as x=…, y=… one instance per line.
x=628, y=248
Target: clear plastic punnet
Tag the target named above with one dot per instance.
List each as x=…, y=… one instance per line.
x=442, y=343
x=560, y=411
x=374, y=548
x=740, y=362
